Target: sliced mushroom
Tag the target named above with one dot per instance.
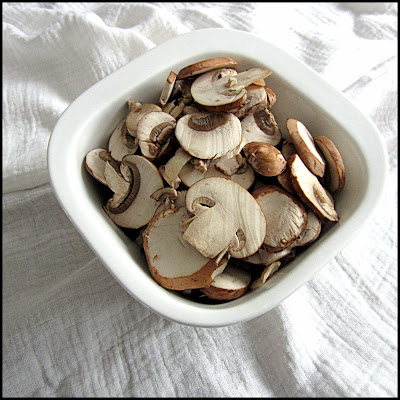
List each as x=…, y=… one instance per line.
x=288, y=149
x=173, y=262
x=267, y=273
x=311, y=232
x=199, y=164
x=120, y=143
x=208, y=135
x=256, y=100
x=271, y=95
x=334, y=178
x=136, y=208
x=165, y=197
x=115, y=180
x=305, y=146
x=132, y=104
x=190, y=110
x=136, y=114
x=244, y=176
x=286, y=217
x=310, y=190
x=230, y=166
x=231, y=284
x=268, y=258
x=177, y=110
x=173, y=167
x=261, y=126
x=168, y=88
x=227, y=218
x=205, y=66
x=95, y=162
x=266, y=159
x=153, y=130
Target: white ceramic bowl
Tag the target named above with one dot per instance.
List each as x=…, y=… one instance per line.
x=301, y=94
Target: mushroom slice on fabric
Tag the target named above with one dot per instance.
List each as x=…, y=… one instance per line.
x=95, y=162
x=266, y=159
x=168, y=88
x=335, y=173
x=208, y=135
x=288, y=149
x=310, y=190
x=120, y=143
x=153, y=130
x=261, y=126
x=201, y=67
x=231, y=284
x=227, y=218
x=286, y=217
x=136, y=208
x=244, y=176
x=311, y=232
x=267, y=273
x=136, y=114
x=173, y=262
x=305, y=146
x=173, y=167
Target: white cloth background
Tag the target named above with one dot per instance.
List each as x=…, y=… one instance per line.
x=69, y=329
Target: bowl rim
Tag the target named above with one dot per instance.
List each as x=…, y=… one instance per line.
x=188, y=45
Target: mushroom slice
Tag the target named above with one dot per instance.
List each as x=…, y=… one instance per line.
x=230, y=166
x=165, y=197
x=115, y=180
x=256, y=100
x=208, y=135
x=244, y=177
x=136, y=114
x=168, y=88
x=173, y=167
x=120, y=143
x=335, y=176
x=310, y=190
x=173, y=262
x=268, y=258
x=205, y=66
x=227, y=217
x=199, y=164
x=288, y=149
x=267, y=273
x=261, y=126
x=266, y=159
x=137, y=207
x=271, y=96
x=95, y=162
x=132, y=104
x=305, y=146
x=153, y=130
x=231, y=284
x=190, y=110
x=177, y=110
x=286, y=217
x=312, y=231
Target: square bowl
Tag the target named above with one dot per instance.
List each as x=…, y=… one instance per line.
x=302, y=94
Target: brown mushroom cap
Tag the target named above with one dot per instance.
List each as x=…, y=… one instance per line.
x=286, y=217
x=201, y=67
x=183, y=267
x=266, y=159
x=310, y=190
x=288, y=149
x=311, y=232
x=335, y=174
x=231, y=284
x=305, y=146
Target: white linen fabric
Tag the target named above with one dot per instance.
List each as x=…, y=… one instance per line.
x=70, y=330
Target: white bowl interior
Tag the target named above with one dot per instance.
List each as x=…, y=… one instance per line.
x=291, y=103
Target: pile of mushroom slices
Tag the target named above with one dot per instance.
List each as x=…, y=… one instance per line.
x=217, y=199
